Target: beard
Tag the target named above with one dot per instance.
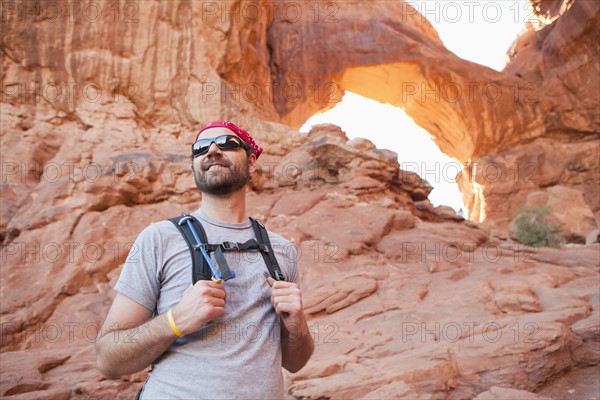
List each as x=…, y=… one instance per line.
x=224, y=180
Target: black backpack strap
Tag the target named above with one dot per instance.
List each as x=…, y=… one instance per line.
x=262, y=236
x=250, y=244
x=200, y=269
x=226, y=273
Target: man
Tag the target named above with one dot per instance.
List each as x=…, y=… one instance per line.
x=208, y=340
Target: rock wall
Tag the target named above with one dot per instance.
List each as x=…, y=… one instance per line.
x=100, y=101
x=559, y=60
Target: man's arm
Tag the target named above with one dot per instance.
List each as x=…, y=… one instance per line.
x=296, y=342
x=296, y=349
x=129, y=340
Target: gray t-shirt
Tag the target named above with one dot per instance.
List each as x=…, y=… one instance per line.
x=237, y=355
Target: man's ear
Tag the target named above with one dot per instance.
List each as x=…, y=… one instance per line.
x=252, y=163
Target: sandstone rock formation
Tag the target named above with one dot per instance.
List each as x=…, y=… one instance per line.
x=404, y=300
x=529, y=127
x=556, y=60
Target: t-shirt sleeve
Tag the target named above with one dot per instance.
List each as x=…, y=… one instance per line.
x=140, y=276
x=294, y=272
x=287, y=257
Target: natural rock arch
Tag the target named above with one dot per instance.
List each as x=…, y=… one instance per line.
x=473, y=112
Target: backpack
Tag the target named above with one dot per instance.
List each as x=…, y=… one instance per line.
x=202, y=267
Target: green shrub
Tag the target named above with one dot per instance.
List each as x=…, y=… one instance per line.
x=534, y=229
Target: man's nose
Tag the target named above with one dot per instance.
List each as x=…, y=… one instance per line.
x=213, y=148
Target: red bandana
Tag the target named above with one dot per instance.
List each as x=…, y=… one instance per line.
x=242, y=134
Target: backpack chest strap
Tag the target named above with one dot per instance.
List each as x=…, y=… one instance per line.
x=249, y=245
x=194, y=235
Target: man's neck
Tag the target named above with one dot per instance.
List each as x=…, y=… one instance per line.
x=229, y=208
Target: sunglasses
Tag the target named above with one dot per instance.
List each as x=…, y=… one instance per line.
x=223, y=142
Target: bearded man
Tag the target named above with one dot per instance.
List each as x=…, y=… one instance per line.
x=211, y=339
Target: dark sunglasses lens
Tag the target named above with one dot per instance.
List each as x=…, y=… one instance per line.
x=225, y=142
x=200, y=147
x=228, y=142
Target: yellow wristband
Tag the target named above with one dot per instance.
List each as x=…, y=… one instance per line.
x=172, y=323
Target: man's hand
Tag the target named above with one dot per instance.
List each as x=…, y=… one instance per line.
x=296, y=342
x=286, y=298
x=199, y=304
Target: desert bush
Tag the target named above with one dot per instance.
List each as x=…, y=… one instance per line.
x=534, y=229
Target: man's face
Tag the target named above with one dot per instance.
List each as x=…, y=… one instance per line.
x=221, y=172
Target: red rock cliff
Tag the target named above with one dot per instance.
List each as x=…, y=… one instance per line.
x=101, y=100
